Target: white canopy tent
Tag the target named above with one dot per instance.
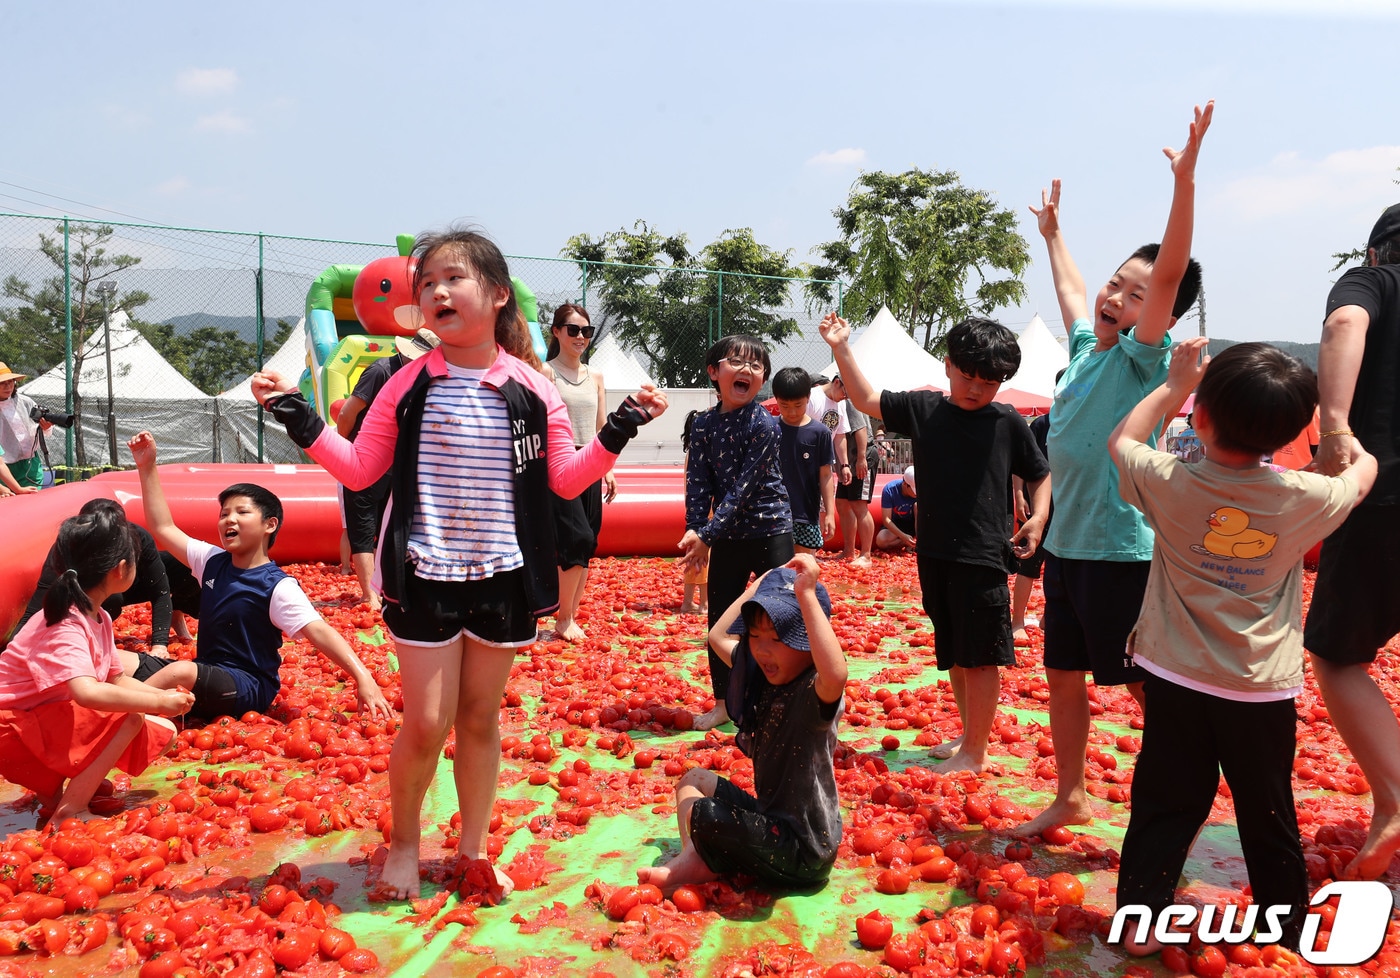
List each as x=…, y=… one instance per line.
x=892, y=360
x=236, y=425
x=1042, y=357
x=147, y=394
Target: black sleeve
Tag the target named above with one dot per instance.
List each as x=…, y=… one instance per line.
x=621, y=426
x=896, y=410
x=303, y=424
x=1362, y=287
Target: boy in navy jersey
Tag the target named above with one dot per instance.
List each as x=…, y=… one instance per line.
x=247, y=603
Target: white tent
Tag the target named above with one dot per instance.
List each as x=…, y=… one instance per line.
x=621, y=370
x=892, y=360
x=236, y=427
x=1042, y=357
x=147, y=393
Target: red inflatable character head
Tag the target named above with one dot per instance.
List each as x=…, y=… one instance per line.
x=384, y=299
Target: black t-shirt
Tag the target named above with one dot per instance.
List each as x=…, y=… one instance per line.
x=964, y=461
x=802, y=451
x=1375, y=408
x=792, y=740
x=371, y=382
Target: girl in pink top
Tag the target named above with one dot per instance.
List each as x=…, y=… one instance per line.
x=66, y=710
x=478, y=438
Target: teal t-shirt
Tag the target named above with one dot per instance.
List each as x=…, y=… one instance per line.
x=1092, y=522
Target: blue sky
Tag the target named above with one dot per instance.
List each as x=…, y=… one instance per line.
x=543, y=120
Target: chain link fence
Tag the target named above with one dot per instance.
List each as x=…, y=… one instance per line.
x=131, y=326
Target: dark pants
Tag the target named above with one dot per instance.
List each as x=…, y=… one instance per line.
x=732, y=562
x=1190, y=739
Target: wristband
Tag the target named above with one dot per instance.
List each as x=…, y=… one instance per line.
x=845, y=465
x=1335, y=432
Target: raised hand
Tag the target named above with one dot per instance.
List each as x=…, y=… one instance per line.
x=834, y=330
x=1047, y=218
x=1188, y=363
x=143, y=449
x=808, y=572
x=267, y=383
x=1184, y=159
x=651, y=400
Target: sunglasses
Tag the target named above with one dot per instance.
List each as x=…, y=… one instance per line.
x=585, y=331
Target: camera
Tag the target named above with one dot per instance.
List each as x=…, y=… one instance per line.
x=38, y=413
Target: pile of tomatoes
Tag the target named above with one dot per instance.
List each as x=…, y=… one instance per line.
x=193, y=870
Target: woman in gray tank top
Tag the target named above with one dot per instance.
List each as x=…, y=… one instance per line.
x=576, y=521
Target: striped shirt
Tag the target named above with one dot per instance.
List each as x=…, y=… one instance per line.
x=464, y=523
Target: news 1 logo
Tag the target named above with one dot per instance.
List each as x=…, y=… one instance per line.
x=1358, y=929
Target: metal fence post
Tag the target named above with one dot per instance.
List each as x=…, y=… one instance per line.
x=67, y=347
x=840, y=299
x=259, y=303
x=584, y=300
x=719, y=317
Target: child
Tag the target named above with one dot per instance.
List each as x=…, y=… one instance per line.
x=1028, y=570
x=735, y=501
x=785, y=698
x=966, y=449
x=805, y=454
x=66, y=710
x=248, y=603
x=476, y=439
x=695, y=595
x=1219, y=632
x=899, y=513
x=1098, y=550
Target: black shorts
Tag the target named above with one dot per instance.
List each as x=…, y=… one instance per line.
x=363, y=513
x=732, y=836
x=860, y=490
x=970, y=607
x=1355, y=606
x=215, y=692
x=1031, y=566
x=576, y=526
x=1091, y=607
x=491, y=611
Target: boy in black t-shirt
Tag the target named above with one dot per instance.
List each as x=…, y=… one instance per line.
x=784, y=696
x=966, y=449
x=806, y=454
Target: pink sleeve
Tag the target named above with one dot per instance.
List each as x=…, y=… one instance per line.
x=69, y=650
x=571, y=470
x=358, y=464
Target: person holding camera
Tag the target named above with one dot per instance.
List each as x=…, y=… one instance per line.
x=21, y=423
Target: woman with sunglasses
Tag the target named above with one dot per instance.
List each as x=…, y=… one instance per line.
x=577, y=521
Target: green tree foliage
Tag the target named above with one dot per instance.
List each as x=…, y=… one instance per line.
x=671, y=305
x=210, y=357
x=915, y=241
x=32, y=334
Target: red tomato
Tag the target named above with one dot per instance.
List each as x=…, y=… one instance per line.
x=872, y=839
x=892, y=881
x=1176, y=960
x=688, y=899
x=335, y=943
x=1005, y=960
x=904, y=952
x=163, y=965
x=265, y=818
x=1066, y=890
x=873, y=931
x=1208, y=962
x=496, y=971
x=296, y=948
x=359, y=960
x=1244, y=955
x=845, y=969
x=984, y=920
x=938, y=870
x=88, y=934
x=1018, y=851
x=1057, y=835
x=621, y=900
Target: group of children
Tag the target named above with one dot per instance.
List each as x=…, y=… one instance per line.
x=1142, y=588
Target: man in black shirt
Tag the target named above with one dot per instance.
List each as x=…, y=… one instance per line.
x=1355, y=607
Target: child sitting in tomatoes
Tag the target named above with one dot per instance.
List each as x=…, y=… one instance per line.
x=784, y=695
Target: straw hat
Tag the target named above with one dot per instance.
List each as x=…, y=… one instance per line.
x=7, y=374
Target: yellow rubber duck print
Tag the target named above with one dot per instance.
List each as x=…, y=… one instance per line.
x=1230, y=536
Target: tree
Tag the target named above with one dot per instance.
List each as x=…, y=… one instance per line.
x=912, y=241
x=210, y=357
x=32, y=335
x=662, y=300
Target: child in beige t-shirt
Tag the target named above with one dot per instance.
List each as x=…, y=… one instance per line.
x=1220, y=631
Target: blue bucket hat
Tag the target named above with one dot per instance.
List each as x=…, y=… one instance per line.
x=777, y=596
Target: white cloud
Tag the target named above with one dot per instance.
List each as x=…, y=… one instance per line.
x=225, y=122
x=1291, y=184
x=838, y=159
x=206, y=81
x=175, y=186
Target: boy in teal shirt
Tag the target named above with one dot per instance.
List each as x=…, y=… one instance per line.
x=1099, y=550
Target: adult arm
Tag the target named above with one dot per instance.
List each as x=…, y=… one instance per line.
x=349, y=412
x=1175, y=251
x=158, y=518
x=1069, y=283
x=1338, y=366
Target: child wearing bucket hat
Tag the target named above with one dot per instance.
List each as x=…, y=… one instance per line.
x=784, y=695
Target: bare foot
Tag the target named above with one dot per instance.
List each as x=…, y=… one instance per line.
x=946, y=750
x=398, y=880
x=1380, y=845
x=718, y=714
x=1059, y=813
x=1019, y=636
x=860, y=560
x=375, y=605
x=685, y=868
x=962, y=762
x=568, y=631
x=687, y=609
